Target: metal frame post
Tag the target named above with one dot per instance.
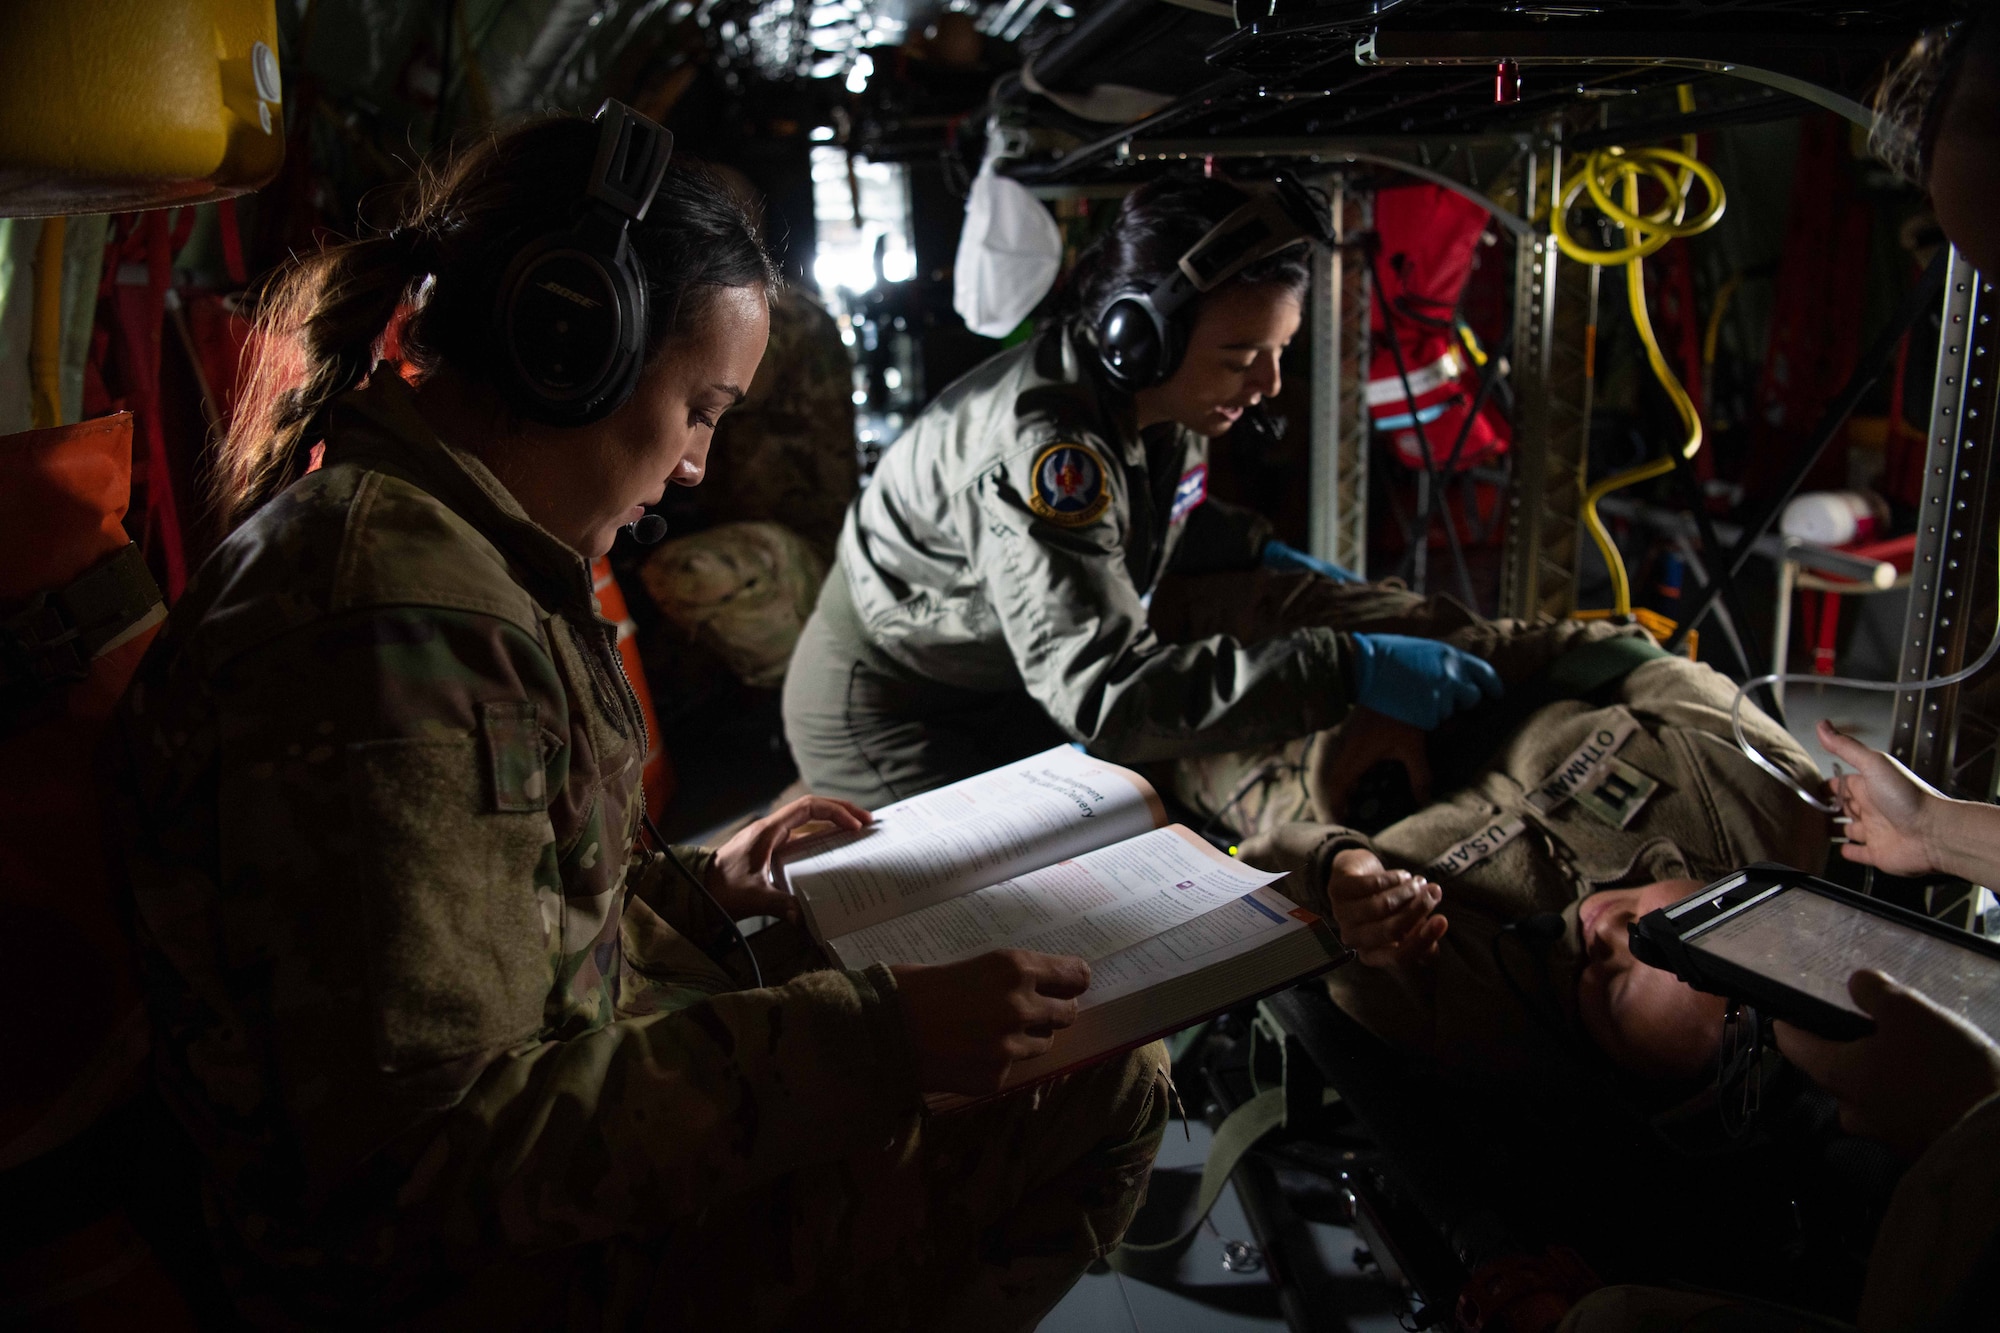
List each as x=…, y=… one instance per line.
x=1943, y=734
x=1339, y=462
x=1555, y=330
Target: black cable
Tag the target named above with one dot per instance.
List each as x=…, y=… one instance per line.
x=742, y=940
x=1870, y=368
x=1739, y=1069
x=1276, y=768
x=1434, y=482
x=1538, y=929
x=1713, y=549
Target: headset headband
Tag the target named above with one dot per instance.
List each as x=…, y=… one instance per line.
x=1258, y=229
x=632, y=157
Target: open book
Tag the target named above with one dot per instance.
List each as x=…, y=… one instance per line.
x=1061, y=853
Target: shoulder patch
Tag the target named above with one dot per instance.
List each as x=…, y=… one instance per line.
x=1069, y=487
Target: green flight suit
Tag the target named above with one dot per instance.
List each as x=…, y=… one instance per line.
x=442, y=1035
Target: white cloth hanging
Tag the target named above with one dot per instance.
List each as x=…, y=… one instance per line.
x=1008, y=254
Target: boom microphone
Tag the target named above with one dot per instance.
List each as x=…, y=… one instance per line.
x=648, y=529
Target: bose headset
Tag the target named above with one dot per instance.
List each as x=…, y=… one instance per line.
x=571, y=310
x=1140, y=339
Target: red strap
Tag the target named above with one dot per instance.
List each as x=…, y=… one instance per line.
x=183, y=227
x=141, y=271
x=232, y=243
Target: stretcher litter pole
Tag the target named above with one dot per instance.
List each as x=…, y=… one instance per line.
x=1912, y=307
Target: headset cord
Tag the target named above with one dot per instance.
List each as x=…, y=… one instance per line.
x=1274, y=769
x=742, y=940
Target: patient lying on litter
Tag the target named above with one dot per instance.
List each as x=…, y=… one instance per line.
x=1485, y=873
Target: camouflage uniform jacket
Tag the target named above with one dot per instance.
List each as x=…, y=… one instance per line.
x=1506, y=839
x=415, y=996
x=1013, y=536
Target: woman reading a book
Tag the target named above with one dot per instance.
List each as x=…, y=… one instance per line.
x=989, y=596
x=451, y=1044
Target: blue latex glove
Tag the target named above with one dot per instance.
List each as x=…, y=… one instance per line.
x=1277, y=555
x=1418, y=681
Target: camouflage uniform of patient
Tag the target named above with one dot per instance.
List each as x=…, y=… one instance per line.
x=1695, y=806
x=444, y=1040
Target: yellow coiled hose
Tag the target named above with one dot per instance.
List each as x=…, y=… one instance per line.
x=1620, y=171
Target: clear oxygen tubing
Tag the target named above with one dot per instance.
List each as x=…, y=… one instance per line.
x=1676, y=171
x=1849, y=682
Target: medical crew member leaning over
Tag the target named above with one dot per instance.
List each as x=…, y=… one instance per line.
x=445, y=1040
x=989, y=597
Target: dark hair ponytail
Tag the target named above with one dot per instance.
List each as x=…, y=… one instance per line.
x=1157, y=224
x=321, y=319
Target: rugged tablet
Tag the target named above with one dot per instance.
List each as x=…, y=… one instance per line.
x=1786, y=942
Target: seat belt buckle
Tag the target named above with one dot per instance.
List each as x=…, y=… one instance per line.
x=53, y=640
x=40, y=648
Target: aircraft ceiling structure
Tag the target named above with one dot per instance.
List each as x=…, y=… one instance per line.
x=1286, y=71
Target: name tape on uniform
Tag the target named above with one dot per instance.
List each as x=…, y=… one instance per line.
x=1585, y=767
x=1593, y=776
x=1476, y=848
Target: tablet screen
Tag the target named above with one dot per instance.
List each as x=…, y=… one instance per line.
x=1813, y=943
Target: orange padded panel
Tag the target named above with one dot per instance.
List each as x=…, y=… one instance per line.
x=62, y=494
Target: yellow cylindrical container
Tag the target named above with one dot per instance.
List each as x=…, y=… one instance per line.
x=111, y=105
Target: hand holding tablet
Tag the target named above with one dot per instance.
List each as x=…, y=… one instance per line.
x=1921, y=1071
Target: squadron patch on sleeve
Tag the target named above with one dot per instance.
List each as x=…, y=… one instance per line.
x=1069, y=487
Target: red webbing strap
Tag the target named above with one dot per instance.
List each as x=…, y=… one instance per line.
x=144, y=268
x=232, y=244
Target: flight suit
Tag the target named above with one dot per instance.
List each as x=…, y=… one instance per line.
x=1582, y=777
x=442, y=1034
x=989, y=596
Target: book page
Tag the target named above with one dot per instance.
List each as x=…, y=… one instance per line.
x=1094, y=906
x=1252, y=946
x=944, y=843
x=1234, y=929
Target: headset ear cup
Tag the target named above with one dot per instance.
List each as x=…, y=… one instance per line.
x=570, y=322
x=1133, y=341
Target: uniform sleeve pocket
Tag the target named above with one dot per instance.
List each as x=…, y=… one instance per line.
x=512, y=739
x=460, y=959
